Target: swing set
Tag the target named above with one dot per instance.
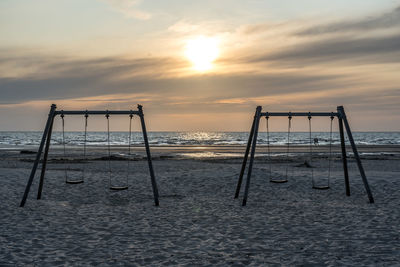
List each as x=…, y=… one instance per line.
x=252, y=142
x=45, y=143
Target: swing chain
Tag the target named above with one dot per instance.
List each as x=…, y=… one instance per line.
x=310, y=145
x=129, y=148
x=108, y=147
x=109, y=152
x=63, y=141
x=84, y=144
x=330, y=150
x=288, y=143
x=268, y=147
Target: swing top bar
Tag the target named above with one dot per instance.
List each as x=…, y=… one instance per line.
x=299, y=114
x=139, y=112
x=97, y=112
x=339, y=113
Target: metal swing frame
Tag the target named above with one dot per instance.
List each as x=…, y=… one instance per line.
x=343, y=123
x=45, y=144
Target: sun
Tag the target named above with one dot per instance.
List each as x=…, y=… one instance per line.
x=202, y=52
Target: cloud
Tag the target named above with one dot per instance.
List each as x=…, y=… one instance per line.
x=368, y=40
x=159, y=83
x=381, y=21
x=357, y=51
x=46, y=77
x=183, y=26
x=295, y=71
x=65, y=78
x=97, y=82
x=253, y=29
x=182, y=29
x=115, y=83
x=129, y=8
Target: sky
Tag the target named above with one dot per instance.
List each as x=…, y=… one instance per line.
x=306, y=55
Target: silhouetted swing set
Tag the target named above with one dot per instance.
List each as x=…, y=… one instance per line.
x=45, y=143
x=252, y=143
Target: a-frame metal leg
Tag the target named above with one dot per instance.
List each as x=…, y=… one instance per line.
x=253, y=150
x=356, y=155
x=344, y=157
x=240, y=180
x=39, y=153
x=46, y=152
x=146, y=143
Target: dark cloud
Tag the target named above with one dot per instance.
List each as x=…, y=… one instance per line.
x=78, y=78
x=368, y=43
x=355, y=51
x=379, y=99
x=382, y=21
x=260, y=28
x=66, y=79
x=60, y=78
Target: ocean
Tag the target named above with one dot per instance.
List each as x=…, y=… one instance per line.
x=26, y=139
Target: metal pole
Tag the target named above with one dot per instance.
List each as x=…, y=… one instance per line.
x=253, y=150
x=97, y=112
x=239, y=183
x=356, y=155
x=46, y=152
x=298, y=114
x=146, y=143
x=38, y=155
x=344, y=157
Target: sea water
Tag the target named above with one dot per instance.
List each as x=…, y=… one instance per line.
x=24, y=139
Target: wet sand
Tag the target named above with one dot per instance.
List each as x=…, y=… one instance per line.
x=198, y=222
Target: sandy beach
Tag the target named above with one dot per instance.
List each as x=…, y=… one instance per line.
x=139, y=114
x=198, y=222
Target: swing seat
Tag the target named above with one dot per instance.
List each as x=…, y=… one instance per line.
x=278, y=181
x=74, y=182
x=118, y=188
x=324, y=187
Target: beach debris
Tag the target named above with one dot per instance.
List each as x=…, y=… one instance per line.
x=112, y=157
x=28, y=152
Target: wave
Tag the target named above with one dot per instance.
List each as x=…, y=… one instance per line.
x=194, y=138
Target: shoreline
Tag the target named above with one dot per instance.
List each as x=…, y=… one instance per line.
x=220, y=152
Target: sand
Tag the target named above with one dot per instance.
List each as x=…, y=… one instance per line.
x=198, y=222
